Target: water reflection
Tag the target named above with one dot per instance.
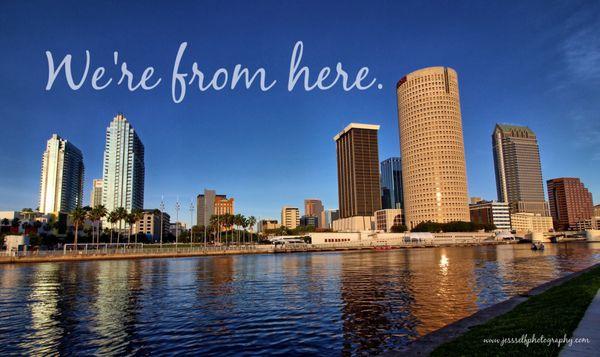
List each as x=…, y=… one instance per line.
x=329, y=304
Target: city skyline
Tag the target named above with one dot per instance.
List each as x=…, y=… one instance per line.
x=556, y=99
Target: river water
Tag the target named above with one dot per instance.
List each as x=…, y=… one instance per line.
x=336, y=303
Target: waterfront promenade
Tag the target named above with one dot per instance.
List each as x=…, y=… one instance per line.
x=589, y=329
x=141, y=251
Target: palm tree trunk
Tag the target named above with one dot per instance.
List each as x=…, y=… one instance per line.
x=76, y=230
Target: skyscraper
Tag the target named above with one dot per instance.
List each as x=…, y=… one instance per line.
x=391, y=183
x=434, y=175
x=124, y=172
x=209, y=204
x=313, y=207
x=518, y=169
x=61, y=183
x=290, y=217
x=96, y=196
x=358, y=176
x=570, y=203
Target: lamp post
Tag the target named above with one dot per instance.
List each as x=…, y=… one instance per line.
x=191, y=223
x=162, y=215
x=177, y=207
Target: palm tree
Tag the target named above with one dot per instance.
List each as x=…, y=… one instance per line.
x=112, y=219
x=95, y=215
x=215, y=223
x=251, y=223
x=78, y=216
x=239, y=221
x=101, y=212
x=121, y=214
x=135, y=216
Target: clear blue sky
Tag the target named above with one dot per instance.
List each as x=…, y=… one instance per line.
x=534, y=63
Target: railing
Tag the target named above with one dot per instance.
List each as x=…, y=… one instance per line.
x=139, y=249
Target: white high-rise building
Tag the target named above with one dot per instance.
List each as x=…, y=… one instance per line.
x=61, y=184
x=123, y=173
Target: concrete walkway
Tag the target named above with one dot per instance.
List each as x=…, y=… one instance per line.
x=589, y=328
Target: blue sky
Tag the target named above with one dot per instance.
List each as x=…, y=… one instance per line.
x=534, y=63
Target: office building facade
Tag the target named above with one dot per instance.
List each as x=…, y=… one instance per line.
x=570, y=203
x=209, y=204
x=313, y=207
x=307, y=221
x=434, y=175
x=96, y=195
x=391, y=183
x=61, y=183
x=526, y=222
x=290, y=217
x=359, y=189
x=518, y=169
x=150, y=225
x=491, y=212
x=386, y=219
x=267, y=224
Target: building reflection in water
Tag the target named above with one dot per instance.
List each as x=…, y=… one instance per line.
x=315, y=303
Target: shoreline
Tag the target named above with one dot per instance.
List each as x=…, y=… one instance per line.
x=200, y=252
x=427, y=344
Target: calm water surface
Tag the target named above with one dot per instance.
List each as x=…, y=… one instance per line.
x=348, y=303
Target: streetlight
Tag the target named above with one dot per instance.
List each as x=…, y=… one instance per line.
x=162, y=215
x=191, y=222
x=177, y=207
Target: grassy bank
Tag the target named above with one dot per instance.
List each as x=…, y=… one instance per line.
x=552, y=314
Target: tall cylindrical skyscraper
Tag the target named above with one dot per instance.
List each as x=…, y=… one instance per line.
x=434, y=171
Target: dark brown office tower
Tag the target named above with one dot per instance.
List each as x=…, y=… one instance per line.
x=518, y=169
x=570, y=203
x=358, y=170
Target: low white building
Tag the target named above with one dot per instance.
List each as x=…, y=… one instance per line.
x=15, y=243
x=340, y=237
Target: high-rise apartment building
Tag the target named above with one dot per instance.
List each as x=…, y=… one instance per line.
x=61, y=183
x=570, y=203
x=290, y=217
x=518, y=169
x=124, y=170
x=434, y=175
x=391, y=183
x=358, y=170
x=209, y=204
x=313, y=207
x=96, y=196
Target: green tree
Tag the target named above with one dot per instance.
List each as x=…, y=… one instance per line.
x=131, y=219
x=121, y=215
x=250, y=223
x=112, y=218
x=78, y=216
x=239, y=220
x=95, y=215
x=399, y=228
